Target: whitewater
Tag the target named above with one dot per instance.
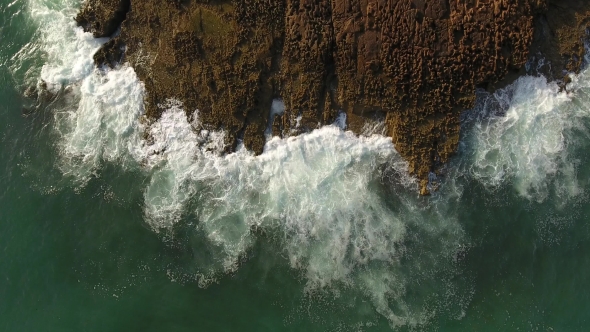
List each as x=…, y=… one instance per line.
x=342, y=208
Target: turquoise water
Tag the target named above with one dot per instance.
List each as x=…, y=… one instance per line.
x=103, y=231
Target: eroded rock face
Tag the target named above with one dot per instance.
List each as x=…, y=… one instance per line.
x=103, y=17
x=559, y=36
x=413, y=63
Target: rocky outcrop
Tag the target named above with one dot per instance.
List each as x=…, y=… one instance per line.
x=560, y=31
x=103, y=17
x=414, y=64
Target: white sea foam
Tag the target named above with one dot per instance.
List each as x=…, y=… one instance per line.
x=521, y=134
x=277, y=108
x=68, y=49
x=101, y=121
x=105, y=124
x=340, y=121
x=317, y=192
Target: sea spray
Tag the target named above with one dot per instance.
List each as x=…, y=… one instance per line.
x=317, y=193
x=66, y=50
x=103, y=126
x=521, y=134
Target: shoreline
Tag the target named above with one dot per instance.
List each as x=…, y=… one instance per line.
x=414, y=65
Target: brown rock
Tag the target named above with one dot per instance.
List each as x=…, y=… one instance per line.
x=103, y=17
x=414, y=63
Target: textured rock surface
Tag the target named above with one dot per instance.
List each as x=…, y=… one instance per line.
x=103, y=17
x=413, y=63
x=559, y=34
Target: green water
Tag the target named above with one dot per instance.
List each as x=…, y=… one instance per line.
x=83, y=255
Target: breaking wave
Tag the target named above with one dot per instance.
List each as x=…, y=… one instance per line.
x=343, y=207
x=524, y=134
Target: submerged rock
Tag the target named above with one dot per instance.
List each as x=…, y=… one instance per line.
x=39, y=96
x=413, y=63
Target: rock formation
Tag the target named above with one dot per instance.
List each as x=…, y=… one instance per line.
x=413, y=63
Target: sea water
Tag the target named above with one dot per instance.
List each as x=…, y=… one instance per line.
x=110, y=221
